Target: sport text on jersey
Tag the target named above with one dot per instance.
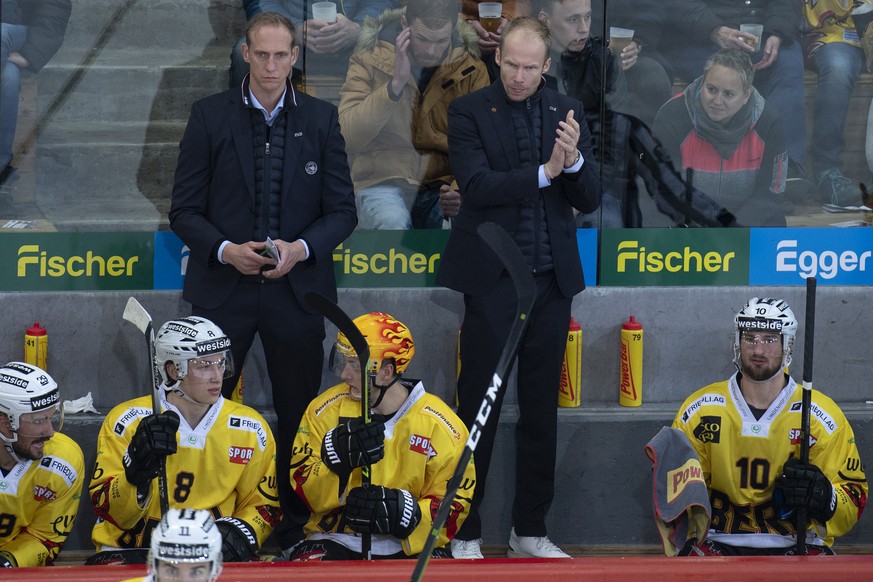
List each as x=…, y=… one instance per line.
x=422, y=445
x=171, y=551
x=240, y=455
x=213, y=346
x=42, y=493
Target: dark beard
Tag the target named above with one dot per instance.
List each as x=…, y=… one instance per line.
x=761, y=375
x=25, y=454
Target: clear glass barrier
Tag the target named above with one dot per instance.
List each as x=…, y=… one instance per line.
x=98, y=126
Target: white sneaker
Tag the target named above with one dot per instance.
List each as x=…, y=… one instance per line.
x=467, y=549
x=533, y=547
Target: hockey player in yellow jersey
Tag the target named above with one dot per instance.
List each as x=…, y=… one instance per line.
x=412, y=443
x=42, y=469
x=746, y=432
x=220, y=455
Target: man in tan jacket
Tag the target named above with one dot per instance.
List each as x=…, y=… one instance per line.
x=406, y=69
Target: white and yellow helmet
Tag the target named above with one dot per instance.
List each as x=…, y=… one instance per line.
x=180, y=340
x=25, y=388
x=766, y=315
x=186, y=536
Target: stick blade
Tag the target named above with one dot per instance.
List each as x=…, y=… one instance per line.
x=342, y=321
x=510, y=255
x=136, y=314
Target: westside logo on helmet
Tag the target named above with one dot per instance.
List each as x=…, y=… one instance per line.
x=213, y=346
x=183, y=329
x=13, y=381
x=44, y=401
x=18, y=366
x=755, y=324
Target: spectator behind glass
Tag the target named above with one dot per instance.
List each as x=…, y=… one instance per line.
x=31, y=32
x=316, y=38
x=393, y=108
x=488, y=41
x=833, y=48
x=718, y=128
x=701, y=27
x=649, y=74
x=577, y=70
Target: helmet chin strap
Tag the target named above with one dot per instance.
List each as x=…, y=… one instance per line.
x=178, y=390
x=7, y=444
x=382, y=389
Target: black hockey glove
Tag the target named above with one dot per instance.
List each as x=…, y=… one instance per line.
x=7, y=560
x=804, y=485
x=238, y=540
x=380, y=510
x=154, y=439
x=353, y=444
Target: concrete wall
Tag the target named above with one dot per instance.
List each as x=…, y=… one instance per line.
x=603, y=495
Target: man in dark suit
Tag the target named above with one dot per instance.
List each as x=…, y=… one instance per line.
x=256, y=162
x=523, y=161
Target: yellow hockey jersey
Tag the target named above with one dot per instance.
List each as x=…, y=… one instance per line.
x=829, y=21
x=39, y=501
x=226, y=464
x=423, y=442
x=742, y=457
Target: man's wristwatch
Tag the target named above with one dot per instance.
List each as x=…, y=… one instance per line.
x=575, y=161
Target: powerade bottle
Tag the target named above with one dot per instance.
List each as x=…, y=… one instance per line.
x=569, y=395
x=631, y=380
x=36, y=346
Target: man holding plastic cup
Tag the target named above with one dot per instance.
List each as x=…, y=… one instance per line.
x=489, y=38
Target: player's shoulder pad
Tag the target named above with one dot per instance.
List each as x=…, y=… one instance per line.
x=61, y=445
x=240, y=417
x=68, y=470
x=329, y=399
x=823, y=410
x=127, y=414
x=433, y=407
x=708, y=396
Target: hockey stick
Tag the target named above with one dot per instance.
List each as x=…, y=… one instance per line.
x=137, y=315
x=806, y=402
x=525, y=289
x=344, y=323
